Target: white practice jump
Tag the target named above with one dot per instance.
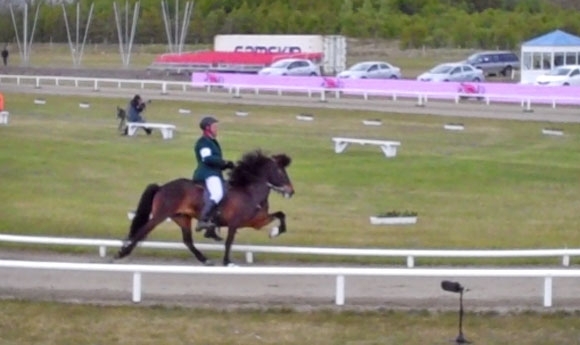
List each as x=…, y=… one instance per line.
x=166, y=129
x=4, y=115
x=389, y=147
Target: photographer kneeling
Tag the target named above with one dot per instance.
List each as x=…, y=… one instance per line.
x=135, y=108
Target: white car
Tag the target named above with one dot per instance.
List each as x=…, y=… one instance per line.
x=371, y=70
x=453, y=72
x=561, y=76
x=291, y=67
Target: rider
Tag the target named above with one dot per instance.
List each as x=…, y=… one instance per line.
x=210, y=165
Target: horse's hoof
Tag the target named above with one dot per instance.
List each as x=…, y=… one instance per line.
x=208, y=263
x=231, y=264
x=274, y=232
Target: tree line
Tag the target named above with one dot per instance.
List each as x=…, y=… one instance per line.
x=481, y=24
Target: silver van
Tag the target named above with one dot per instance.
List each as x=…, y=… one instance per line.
x=495, y=62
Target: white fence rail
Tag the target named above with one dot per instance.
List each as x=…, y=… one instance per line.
x=409, y=254
x=339, y=272
x=236, y=90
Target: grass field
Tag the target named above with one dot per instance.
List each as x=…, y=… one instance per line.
x=500, y=184
x=63, y=324
x=65, y=171
x=411, y=61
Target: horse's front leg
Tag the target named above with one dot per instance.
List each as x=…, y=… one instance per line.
x=229, y=242
x=281, y=228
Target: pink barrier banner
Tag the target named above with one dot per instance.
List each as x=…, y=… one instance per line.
x=496, y=92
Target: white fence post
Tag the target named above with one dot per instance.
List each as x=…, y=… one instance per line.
x=37, y=83
x=420, y=100
x=548, y=292
x=249, y=257
x=339, y=298
x=410, y=261
x=136, y=287
x=528, y=106
x=164, y=89
x=102, y=251
x=323, y=95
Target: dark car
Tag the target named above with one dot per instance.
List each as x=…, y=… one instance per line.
x=495, y=62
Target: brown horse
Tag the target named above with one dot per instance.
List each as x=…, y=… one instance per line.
x=245, y=203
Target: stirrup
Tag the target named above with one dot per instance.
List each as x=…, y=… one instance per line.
x=201, y=225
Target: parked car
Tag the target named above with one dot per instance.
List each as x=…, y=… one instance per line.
x=371, y=70
x=561, y=76
x=495, y=62
x=453, y=72
x=291, y=67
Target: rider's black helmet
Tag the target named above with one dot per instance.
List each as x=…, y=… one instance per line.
x=207, y=121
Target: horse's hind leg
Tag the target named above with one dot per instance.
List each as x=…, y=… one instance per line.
x=128, y=247
x=184, y=223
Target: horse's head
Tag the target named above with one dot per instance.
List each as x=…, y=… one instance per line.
x=279, y=179
x=256, y=167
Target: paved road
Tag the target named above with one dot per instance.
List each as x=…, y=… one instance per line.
x=504, y=294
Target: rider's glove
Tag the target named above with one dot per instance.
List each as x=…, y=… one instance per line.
x=229, y=165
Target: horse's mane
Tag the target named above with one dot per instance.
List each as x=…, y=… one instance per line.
x=248, y=168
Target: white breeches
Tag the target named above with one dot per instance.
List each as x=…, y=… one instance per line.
x=215, y=188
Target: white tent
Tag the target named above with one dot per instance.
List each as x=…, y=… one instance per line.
x=543, y=53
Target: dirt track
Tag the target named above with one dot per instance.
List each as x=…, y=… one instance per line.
x=299, y=292
x=296, y=292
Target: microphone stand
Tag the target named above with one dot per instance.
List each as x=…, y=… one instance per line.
x=460, y=338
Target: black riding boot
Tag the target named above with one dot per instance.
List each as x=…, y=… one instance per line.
x=206, y=221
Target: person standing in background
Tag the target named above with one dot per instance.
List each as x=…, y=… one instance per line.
x=5, y=54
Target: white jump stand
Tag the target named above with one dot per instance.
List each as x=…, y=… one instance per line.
x=4, y=115
x=389, y=148
x=166, y=129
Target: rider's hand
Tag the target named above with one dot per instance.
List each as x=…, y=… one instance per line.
x=229, y=165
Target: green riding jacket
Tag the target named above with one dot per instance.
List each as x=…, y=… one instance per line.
x=210, y=165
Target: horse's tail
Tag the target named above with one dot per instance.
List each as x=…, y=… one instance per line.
x=143, y=209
